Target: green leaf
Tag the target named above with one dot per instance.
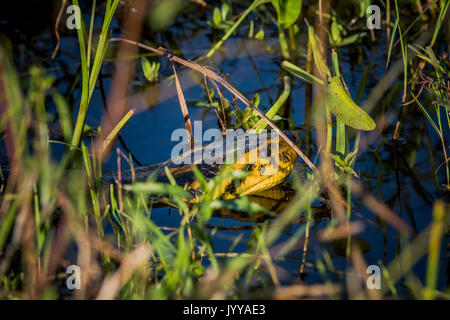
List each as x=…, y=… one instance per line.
x=288, y=12
x=260, y=34
x=146, y=67
x=256, y=100
x=352, y=39
x=150, y=69
x=363, y=5
x=344, y=108
x=217, y=18
x=226, y=12
x=336, y=30
x=343, y=165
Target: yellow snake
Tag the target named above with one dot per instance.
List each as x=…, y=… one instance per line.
x=263, y=174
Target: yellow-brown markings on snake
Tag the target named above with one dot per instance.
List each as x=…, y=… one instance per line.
x=256, y=181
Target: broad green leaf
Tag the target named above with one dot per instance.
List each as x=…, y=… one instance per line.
x=344, y=108
x=288, y=12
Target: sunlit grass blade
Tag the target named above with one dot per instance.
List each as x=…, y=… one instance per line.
x=114, y=133
x=434, y=248
x=90, y=78
x=428, y=117
x=261, y=124
x=440, y=20
x=300, y=73
x=394, y=30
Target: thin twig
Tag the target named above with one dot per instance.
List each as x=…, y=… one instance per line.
x=183, y=106
x=58, y=38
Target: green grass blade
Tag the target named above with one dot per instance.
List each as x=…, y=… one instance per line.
x=300, y=73
x=428, y=116
x=434, y=249
x=113, y=134
x=440, y=20
x=391, y=42
x=85, y=87
x=261, y=124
